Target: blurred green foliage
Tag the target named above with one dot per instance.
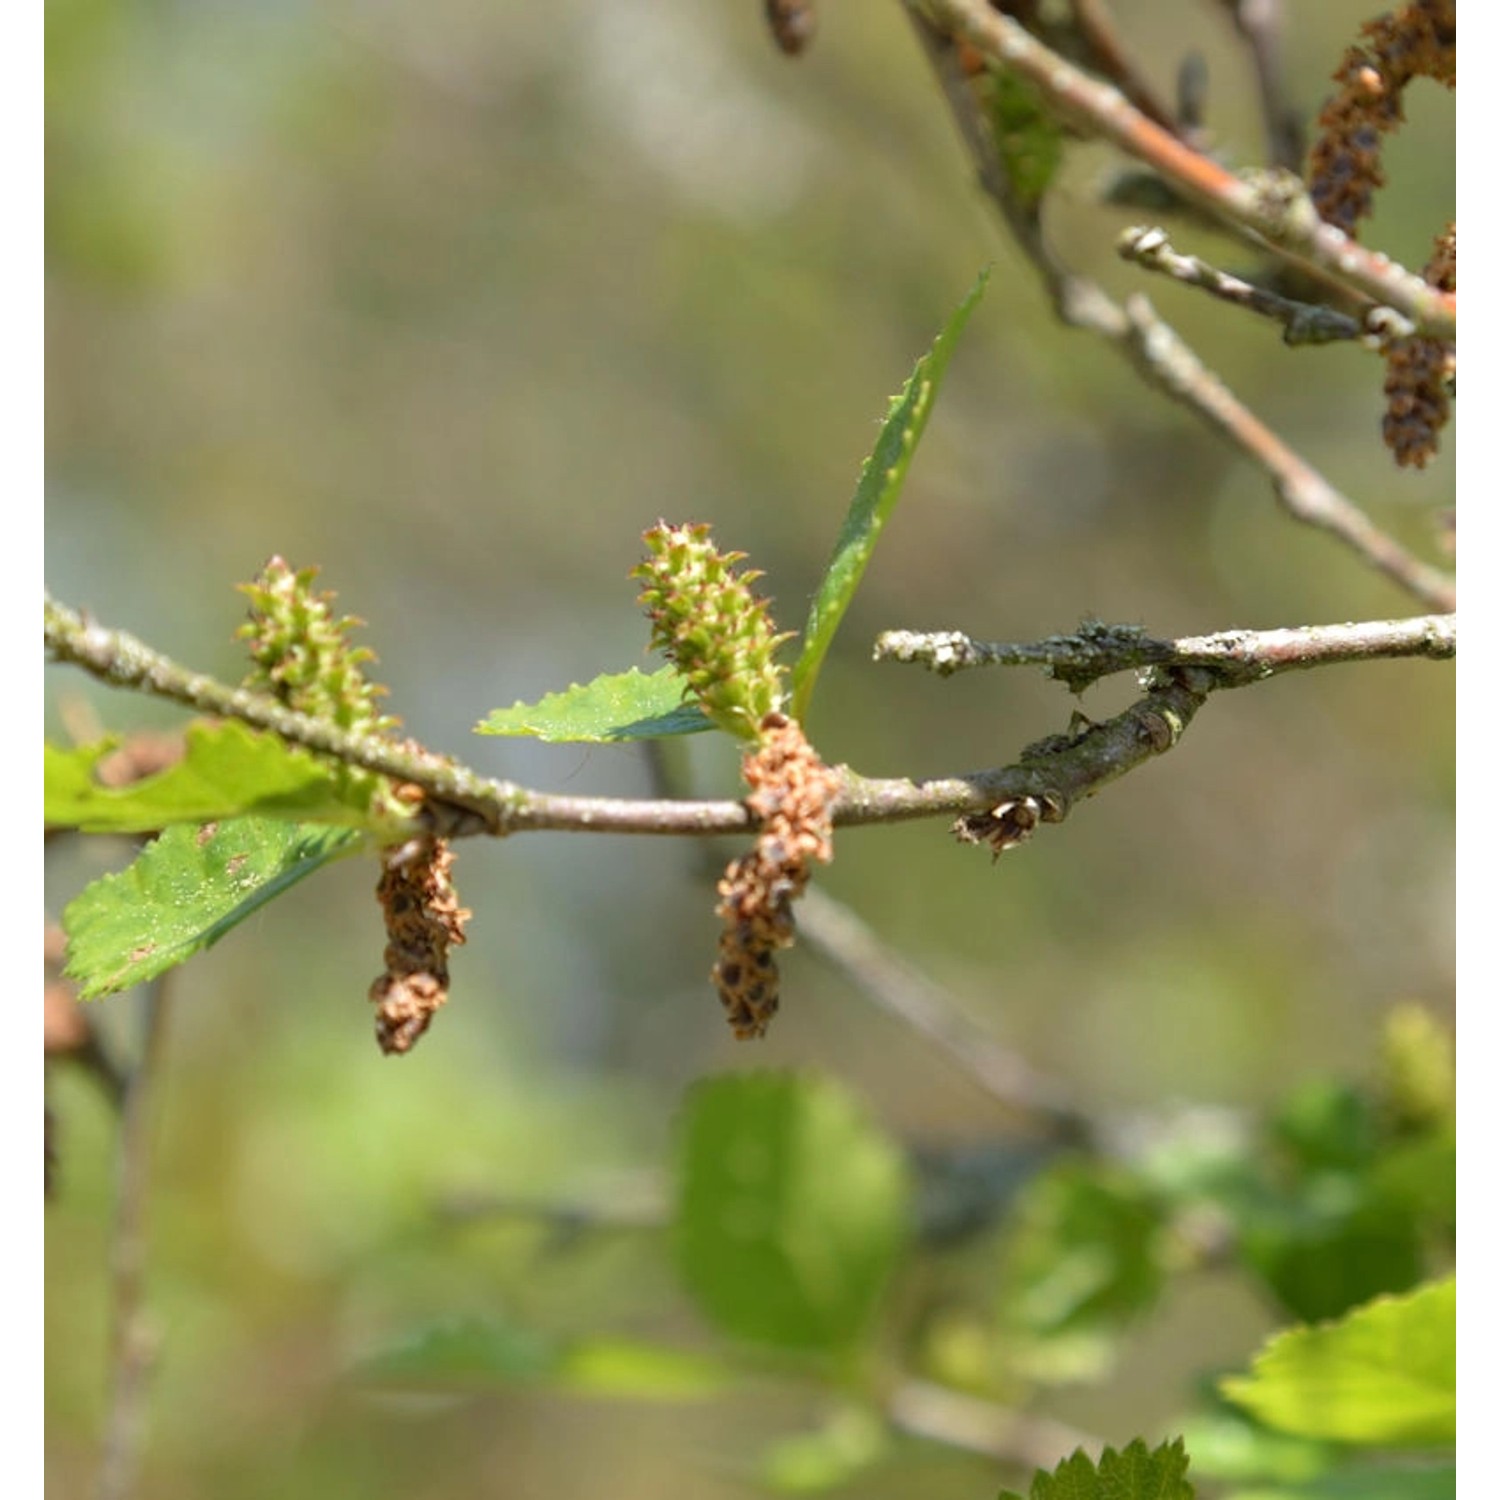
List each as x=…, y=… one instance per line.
x=1086, y=1256
x=791, y=1210
x=455, y=302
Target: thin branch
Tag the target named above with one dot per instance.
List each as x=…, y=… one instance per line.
x=500, y=807
x=1056, y=773
x=1161, y=357
x=832, y=929
x=1272, y=206
x=1237, y=657
x=133, y=1345
x=1303, y=322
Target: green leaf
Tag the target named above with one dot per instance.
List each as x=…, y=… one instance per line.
x=1330, y=1247
x=1138, y=1473
x=184, y=891
x=612, y=708
x=494, y=1352
x=1384, y=1375
x=875, y=497
x=792, y=1209
x=227, y=771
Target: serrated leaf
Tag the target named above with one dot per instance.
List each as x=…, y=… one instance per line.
x=1384, y=1375
x=612, y=708
x=792, y=1209
x=184, y=891
x=227, y=771
x=875, y=497
x=1137, y=1473
x=494, y=1352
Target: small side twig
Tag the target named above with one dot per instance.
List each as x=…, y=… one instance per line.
x=1237, y=657
x=1302, y=322
x=133, y=1345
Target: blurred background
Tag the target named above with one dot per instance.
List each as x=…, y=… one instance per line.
x=454, y=301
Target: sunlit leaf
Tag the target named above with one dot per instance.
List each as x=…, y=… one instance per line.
x=613, y=708
x=227, y=771
x=1384, y=1375
x=875, y=497
x=184, y=891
